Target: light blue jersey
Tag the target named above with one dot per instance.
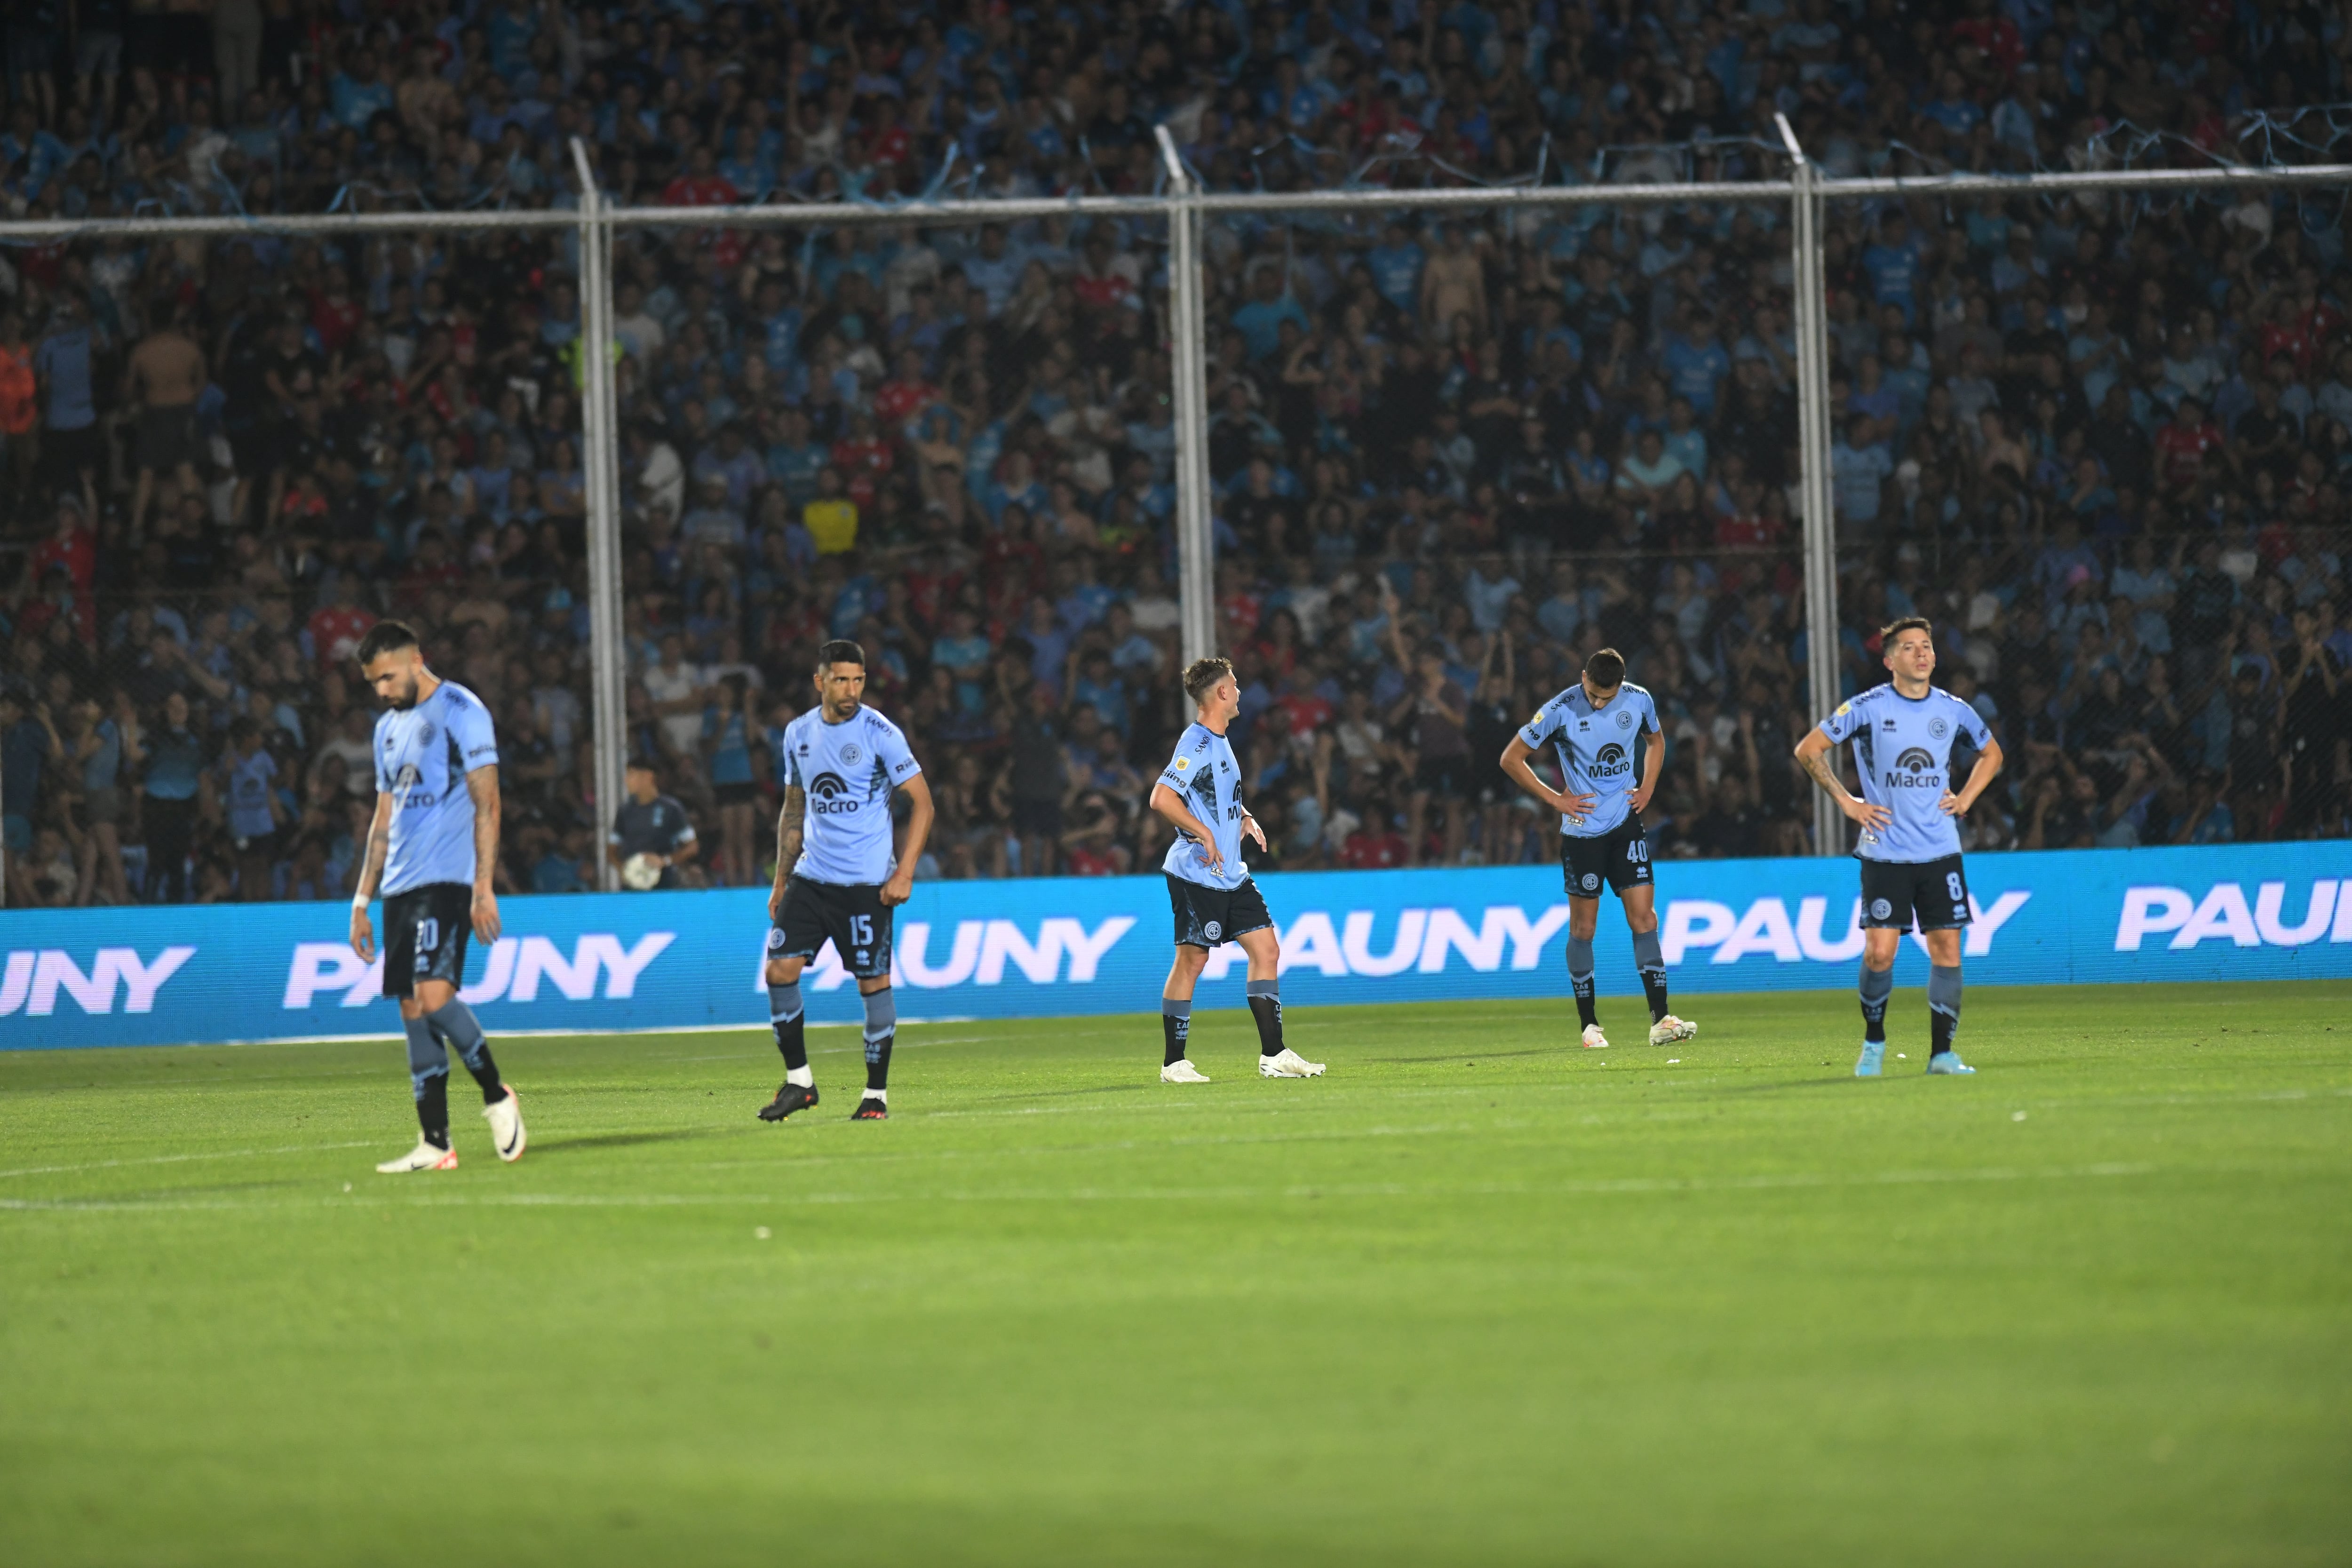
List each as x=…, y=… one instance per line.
x=1903, y=750
x=1596, y=748
x=421, y=757
x=848, y=771
x=1204, y=771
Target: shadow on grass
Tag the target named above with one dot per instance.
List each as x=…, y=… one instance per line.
x=627, y=1140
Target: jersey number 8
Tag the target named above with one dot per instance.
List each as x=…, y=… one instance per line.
x=1952, y=885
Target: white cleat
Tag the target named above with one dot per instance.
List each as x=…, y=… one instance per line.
x=424, y=1157
x=1669, y=1029
x=507, y=1134
x=1289, y=1064
x=1182, y=1071
x=1594, y=1040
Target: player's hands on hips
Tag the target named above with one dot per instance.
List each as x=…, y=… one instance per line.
x=485, y=913
x=1250, y=826
x=899, y=887
x=1578, y=807
x=1641, y=799
x=776, y=903
x=1952, y=805
x=1875, y=818
x=1205, y=847
x=363, y=934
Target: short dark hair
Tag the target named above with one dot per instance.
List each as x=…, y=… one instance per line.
x=383, y=638
x=839, y=650
x=1201, y=677
x=1607, y=668
x=1896, y=628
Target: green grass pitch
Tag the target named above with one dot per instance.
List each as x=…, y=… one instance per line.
x=1477, y=1296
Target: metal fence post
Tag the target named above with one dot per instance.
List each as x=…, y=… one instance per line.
x=1809, y=292
x=1196, y=588
x=607, y=659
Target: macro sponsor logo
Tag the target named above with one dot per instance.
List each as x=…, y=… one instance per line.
x=514, y=970
x=829, y=796
x=1914, y=769
x=2224, y=914
x=33, y=981
x=1610, y=761
x=1765, y=929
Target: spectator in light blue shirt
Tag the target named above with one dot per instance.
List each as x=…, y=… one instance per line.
x=1396, y=265
x=358, y=94
x=1858, y=470
x=1260, y=321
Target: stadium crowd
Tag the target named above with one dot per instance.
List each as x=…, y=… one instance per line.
x=2102, y=442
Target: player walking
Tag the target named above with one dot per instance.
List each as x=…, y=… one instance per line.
x=1910, y=844
x=434, y=846
x=1593, y=726
x=835, y=876
x=1214, y=900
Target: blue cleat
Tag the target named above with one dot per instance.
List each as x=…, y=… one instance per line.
x=1873, y=1052
x=1948, y=1062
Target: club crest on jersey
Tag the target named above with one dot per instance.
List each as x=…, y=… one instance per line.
x=1624, y=720
x=1881, y=909
x=775, y=939
x=830, y=796
x=1213, y=931
x=424, y=733
x=1591, y=882
x=1938, y=728
x=850, y=754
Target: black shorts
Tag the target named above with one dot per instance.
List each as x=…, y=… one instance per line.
x=1036, y=818
x=1937, y=891
x=1207, y=916
x=426, y=930
x=1444, y=776
x=854, y=917
x=1620, y=857
x=167, y=437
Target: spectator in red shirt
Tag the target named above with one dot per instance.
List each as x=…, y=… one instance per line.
x=1375, y=844
x=702, y=185
x=335, y=628
x=335, y=314
x=2182, y=447
x=906, y=394
x=72, y=546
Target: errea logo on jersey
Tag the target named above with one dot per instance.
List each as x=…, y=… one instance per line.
x=830, y=796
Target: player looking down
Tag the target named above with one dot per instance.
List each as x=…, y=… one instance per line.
x=434, y=846
x=1594, y=727
x=837, y=876
x=1209, y=888
x=1903, y=733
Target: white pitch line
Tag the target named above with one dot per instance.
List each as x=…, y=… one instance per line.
x=182, y=1158
x=1628, y=1187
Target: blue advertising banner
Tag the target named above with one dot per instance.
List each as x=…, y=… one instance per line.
x=1030, y=949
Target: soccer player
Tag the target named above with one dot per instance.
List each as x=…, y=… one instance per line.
x=1910, y=843
x=434, y=847
x=835, y=876
x=1593, y=726
x=1209, y=888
